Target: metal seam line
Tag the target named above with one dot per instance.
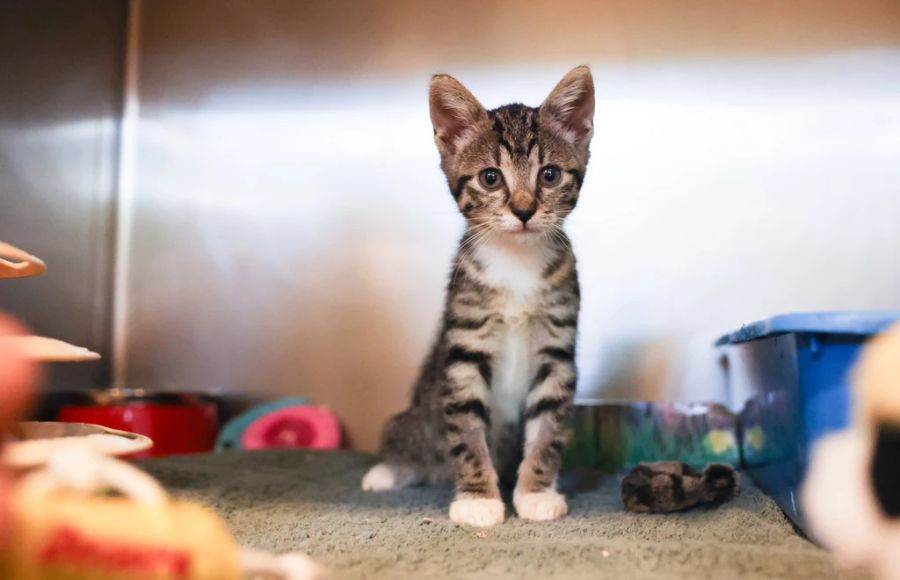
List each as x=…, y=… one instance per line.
x=125, y=193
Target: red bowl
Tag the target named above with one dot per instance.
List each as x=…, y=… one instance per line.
x=178, y=423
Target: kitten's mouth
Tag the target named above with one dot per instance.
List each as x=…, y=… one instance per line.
x=524, y=231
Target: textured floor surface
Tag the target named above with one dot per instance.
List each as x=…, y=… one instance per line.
x=312, y=502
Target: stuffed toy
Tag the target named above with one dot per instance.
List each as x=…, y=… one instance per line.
x=671, y=486
x=851, y=494
x=87, y=515
x=70, y=510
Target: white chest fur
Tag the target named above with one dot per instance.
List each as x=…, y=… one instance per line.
x=512, y=373
x=514, y=267
x=515, y=270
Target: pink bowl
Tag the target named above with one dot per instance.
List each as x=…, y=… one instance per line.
x=299, y=426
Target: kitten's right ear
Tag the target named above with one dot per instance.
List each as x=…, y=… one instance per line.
x=455, y=113
x=570, y=107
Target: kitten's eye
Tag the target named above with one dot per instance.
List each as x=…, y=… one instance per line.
x=550, y=175
x=490, y=178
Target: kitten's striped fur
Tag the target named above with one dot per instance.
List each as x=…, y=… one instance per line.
x=501, y=376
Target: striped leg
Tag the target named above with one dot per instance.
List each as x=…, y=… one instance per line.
x=467, y=417
x=547, y=406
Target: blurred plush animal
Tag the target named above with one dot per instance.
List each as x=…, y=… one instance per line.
x=851, y=496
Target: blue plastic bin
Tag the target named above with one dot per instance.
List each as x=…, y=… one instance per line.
x=789, y=375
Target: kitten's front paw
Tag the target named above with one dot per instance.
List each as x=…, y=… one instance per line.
x=482, y=513
x=540, y=506
x=384, y=478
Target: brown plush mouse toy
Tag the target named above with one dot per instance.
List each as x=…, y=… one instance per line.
x=671, y=486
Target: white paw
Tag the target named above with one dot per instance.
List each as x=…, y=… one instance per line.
x=540, y=506
x=482, y=513
x=384, y=478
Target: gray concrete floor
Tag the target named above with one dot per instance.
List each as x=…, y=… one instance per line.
x=311, y=502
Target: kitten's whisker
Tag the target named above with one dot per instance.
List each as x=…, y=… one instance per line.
x=559, y=238
x=474, y=237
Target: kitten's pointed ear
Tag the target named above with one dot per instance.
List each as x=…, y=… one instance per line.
x=570, y=107
x=455, y=113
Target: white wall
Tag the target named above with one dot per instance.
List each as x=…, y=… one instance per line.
x=293, y=234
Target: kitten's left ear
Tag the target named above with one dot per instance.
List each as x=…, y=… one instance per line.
x=570, y=107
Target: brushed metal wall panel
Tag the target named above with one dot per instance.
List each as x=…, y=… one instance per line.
x=60, y=85
x=292, y=231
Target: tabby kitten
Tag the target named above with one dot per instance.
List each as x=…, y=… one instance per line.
x=499, y=382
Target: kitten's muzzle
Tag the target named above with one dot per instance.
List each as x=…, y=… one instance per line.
x=523, y=208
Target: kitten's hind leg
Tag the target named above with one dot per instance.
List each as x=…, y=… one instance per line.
x=385, y=477
x=411, y=451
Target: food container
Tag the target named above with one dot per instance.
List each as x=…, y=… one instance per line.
x=178, y=423
x=610, y=436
